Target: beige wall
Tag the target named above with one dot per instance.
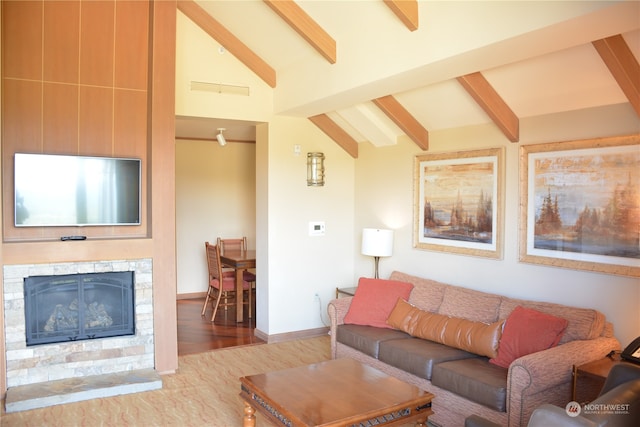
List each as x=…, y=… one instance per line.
x=215, y=197
x=384, y=198
x=275, y=212
x=300, y=265
x=291, y=266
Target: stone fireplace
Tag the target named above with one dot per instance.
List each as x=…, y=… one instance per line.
x=76, y=307
x=75, y=359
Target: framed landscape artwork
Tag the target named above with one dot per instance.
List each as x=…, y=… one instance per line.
x=458, y=202
x=580, y=205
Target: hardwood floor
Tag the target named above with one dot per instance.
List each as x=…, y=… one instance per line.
x=197, y=334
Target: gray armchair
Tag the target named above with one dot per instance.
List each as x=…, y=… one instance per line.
x=618, y=405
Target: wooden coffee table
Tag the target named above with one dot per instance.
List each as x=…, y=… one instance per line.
x=341, y=392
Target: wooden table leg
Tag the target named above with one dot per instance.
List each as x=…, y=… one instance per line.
x=239, y=295
x=249, y=419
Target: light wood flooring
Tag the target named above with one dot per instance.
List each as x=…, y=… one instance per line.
x=197, y=334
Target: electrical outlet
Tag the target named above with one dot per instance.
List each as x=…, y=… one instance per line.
x=316, y=297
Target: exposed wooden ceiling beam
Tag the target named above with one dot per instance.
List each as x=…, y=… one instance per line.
x=230, y=42
x=336, y=133
x=486, y=96
x=406, y=10
x=304, y=25
x=624, y=67
x=405, y=121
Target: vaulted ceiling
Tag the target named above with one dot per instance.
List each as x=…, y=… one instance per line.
x=424, y=65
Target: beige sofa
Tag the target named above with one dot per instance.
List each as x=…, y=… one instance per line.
x=529, y=381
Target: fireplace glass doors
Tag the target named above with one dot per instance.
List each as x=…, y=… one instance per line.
x=78, y=306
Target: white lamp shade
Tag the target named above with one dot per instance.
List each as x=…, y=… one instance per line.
x=377, y=242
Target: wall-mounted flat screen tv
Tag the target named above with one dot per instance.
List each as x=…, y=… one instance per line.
x=56, y=190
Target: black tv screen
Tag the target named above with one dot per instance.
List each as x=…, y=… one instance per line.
x=57, y=190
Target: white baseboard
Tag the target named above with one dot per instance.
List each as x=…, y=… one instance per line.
x=290, y=336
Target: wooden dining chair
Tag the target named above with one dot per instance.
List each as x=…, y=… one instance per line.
x=221, y=284
x=239, y=244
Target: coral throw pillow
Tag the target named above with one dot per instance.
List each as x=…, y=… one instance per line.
x=527, y=331
x=374, y=300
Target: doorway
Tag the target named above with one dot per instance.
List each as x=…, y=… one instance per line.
x=215, y=197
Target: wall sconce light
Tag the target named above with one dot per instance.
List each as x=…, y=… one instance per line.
x=315, y=169
x=220, y=137
x=377, y=243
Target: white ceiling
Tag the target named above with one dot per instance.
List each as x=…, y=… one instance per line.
x=538, y=72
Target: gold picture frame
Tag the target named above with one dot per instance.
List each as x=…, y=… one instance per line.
x=580, y=205
x=458, y=206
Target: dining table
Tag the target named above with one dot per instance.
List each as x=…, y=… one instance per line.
x=239, y=260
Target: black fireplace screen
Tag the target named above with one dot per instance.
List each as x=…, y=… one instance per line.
x=78, y=306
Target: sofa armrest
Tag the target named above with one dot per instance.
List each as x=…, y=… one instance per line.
x=546, y=376
x=336, y=310
x=549, y=415
x=548, y=368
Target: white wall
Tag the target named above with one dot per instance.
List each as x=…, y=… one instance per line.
x=300, y=265
x=384, y=198
x=215, y=197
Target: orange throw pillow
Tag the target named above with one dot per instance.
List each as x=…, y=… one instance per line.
x=528, y=331
x=474, y=337
x=374, y=300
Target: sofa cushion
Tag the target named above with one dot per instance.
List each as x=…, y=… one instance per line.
x=418, y=356
x=373, y=301
x=584, y=323
x=366, y=339
x=427, y=294
x=470, y=304
x=528, y=331
x=475, y=337
x=475, y=379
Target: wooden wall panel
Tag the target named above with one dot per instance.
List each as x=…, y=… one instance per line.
x=21, y=132
x=107, y=127
x=130, y=123
x=22, y=116
x=84, y=44
x=22, y=39
x=60, y=122
x=131, y=44
x=61, y=41
x=96, y=121
x=96, y=43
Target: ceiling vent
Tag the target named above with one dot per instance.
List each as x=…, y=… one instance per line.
x=220, y=88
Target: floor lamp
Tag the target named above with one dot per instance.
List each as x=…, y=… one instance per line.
x=377, y=243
